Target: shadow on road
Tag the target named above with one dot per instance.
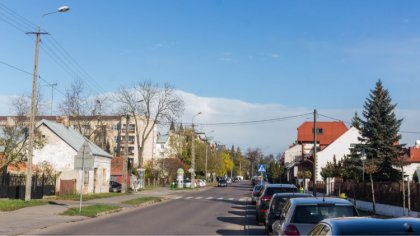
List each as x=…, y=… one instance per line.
x=238, y=213
x=232, y=220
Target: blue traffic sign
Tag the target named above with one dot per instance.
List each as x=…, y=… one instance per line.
x=262, y=167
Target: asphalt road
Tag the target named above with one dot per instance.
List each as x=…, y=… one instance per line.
x=222, y=211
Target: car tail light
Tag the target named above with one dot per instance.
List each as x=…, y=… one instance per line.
x=265, y=198
x=291, y=230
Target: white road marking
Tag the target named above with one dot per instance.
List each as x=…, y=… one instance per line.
x=198, y=197
x=188, y=197
x=231, y=199
x=208, y=198
x=220, y=198
x=179, y=197
x=242, y=199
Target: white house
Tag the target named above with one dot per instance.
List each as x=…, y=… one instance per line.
x=162, y=148
x=60, y=148
x=338, y=149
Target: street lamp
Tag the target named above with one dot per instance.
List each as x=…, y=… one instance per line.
x=28, y=185
x=193, y=150
x=207, y=138
x=363, y=158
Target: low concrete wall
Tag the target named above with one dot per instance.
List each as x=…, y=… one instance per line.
x=383, y=209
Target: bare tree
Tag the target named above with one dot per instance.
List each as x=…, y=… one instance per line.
x=371, y=168
x=254, y=156
x=401, y=162
x=155, y=104
x=86, y=111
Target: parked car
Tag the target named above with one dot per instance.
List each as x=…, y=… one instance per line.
x=367, y=226
x=187, y=183
x=229, y=180
x=222, y=183
x=265, y=196
x=255, y=193
x=201, y=183
x=114, y=186
x=300, y=215
x=276, y=205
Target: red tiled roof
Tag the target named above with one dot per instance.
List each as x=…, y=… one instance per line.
x=415, y=154
x=330, y=132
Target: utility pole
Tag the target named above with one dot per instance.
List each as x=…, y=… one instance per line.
x=206, y=158
x=314, y=175
x=52, y=95
x=192, y=156
x=124, y=169
x=28, y=184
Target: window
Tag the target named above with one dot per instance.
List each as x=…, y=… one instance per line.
x=318, y=131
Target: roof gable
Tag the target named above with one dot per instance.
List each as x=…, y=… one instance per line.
x=330, y=131
x=73, y=138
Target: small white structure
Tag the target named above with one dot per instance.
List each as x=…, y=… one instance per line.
x=162, y=148
x=60, y=148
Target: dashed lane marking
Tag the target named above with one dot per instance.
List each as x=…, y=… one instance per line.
x=208, y=198
x=220, y=198
x=231, y=199
x=179, y=197
x=198, y=197
x=188, y=197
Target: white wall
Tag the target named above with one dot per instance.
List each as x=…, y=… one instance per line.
x=291, y=153
x=61, y=156
x=339, y=148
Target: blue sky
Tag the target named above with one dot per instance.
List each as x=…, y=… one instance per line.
x=295, y=54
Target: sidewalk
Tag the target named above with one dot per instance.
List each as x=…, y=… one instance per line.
x=30, y=218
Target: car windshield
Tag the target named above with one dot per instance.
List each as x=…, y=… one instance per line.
x=222, y=181
x=272, y=190
x=312, y=214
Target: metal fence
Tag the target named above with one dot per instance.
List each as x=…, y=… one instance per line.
x=13, y=186
x=385, y=192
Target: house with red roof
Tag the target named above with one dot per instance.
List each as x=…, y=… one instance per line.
x=414, y=159
x=300, y=155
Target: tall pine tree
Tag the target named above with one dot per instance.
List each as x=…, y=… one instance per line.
x=379, y=133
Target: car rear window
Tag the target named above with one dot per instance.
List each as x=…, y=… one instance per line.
x=272, y=190
x=312, y=214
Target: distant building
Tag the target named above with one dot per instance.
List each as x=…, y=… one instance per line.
x=414, y=159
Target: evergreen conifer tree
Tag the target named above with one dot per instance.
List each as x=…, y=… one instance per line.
x=379, y=133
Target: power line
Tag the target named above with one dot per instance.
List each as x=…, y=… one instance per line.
x=56, y=52
x=252, y=122
x=29, y=73
x=401, y=131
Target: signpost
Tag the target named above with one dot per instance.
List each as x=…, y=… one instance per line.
x=83, y=161
x=262, y=169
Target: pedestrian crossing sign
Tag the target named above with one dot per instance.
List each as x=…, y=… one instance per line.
x=262, y=168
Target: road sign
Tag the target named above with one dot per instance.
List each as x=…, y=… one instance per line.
x=262, y=168
x=84, y=158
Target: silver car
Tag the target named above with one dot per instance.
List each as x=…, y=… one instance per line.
x=367, y=226
x=300, y=215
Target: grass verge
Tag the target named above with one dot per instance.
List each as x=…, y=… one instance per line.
x=91, y=211
x=15, y=204
x=142, y=200
x=86, y=197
